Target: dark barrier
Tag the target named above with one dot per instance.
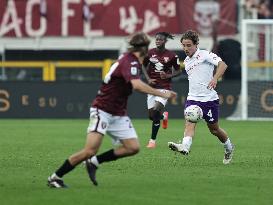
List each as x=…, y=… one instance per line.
x=72, y=100
x=46, y=100
x=260, y=96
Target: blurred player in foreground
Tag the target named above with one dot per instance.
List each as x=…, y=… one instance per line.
x=108, y=114
x=199, y=65
x=159, y=67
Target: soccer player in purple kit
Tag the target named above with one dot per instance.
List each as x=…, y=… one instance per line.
x=199, y=65
x=108, y=114
x=159, y=67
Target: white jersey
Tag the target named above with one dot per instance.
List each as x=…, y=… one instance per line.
x=200, y=69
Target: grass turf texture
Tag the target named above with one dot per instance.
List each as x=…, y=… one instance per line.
x=30, y=150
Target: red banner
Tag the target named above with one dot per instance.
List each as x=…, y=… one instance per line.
x=201, y=15
x=36, y=18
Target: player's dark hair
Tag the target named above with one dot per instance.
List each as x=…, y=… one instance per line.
x=191, y=35
x=139, y=42
x=166, y=34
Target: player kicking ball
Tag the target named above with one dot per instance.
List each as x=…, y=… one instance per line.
x=199, y=65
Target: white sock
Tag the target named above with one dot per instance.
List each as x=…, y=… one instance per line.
x=54, y=176
x=95, y=161
x=187, y=141
x=227, y=144
x=152, y=141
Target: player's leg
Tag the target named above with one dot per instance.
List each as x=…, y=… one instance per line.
x=211, y=115
x=96, y=129
x=218, y=132
x=122, y=130
x=160, y=104
x=150, y=106
x=221, y=134
x=91, y=147
x=189, y=132
x=185, y=146
x=156, y=113
x=128, y=147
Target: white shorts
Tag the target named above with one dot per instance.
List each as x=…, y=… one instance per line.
x=118, y=127
x=151, y=99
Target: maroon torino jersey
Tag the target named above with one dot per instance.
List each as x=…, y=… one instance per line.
x=113, y=94
x=157, y=62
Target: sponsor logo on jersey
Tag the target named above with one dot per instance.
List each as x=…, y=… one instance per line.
x=158, y=67
x=134, y=63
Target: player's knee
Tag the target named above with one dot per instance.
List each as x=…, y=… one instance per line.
x=89, y=153
x=132, y=150
x=156, y=116
x=151, y=117
x=214, y=131
x=135, y=150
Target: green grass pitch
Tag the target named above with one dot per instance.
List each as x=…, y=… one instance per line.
x=30, y=150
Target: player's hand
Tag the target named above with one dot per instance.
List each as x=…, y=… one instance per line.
x=151, y=81
x=171, y=94
x=163, y=75
x=212, y=84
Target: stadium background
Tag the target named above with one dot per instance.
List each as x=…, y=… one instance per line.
x=54, y=53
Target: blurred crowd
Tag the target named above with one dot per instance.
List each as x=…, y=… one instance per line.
x=261, y=9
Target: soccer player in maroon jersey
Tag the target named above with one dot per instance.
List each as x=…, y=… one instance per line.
x=108, y=114
x=159, y=67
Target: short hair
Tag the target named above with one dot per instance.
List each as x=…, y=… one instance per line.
x=139, y=42
x=166, y=34
x=191, y=35
x=139, y=39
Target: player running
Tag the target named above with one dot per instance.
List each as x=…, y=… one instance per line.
x=160, y=66
x=108, y=114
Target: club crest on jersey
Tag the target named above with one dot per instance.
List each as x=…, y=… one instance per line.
x=134, y=70
x=166, y=59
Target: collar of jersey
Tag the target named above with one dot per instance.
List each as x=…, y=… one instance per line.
x=196, y=53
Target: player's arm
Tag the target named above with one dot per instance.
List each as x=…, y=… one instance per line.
x=149, y=80
x=221, y=68
x=176, y=70
x=144, y=71
x=174, y=73
x=145, y=88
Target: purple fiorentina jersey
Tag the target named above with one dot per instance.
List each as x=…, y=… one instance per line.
x=161, y=61
x=113, y=94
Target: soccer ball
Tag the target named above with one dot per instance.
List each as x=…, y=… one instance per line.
x=193, y=113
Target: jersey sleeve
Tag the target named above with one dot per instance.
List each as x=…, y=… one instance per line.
x=131, y=70
x=213, y=58
x=176, y=62
x=146, y=61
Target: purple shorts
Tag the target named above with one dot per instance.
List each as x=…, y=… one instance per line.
x=210, y=109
